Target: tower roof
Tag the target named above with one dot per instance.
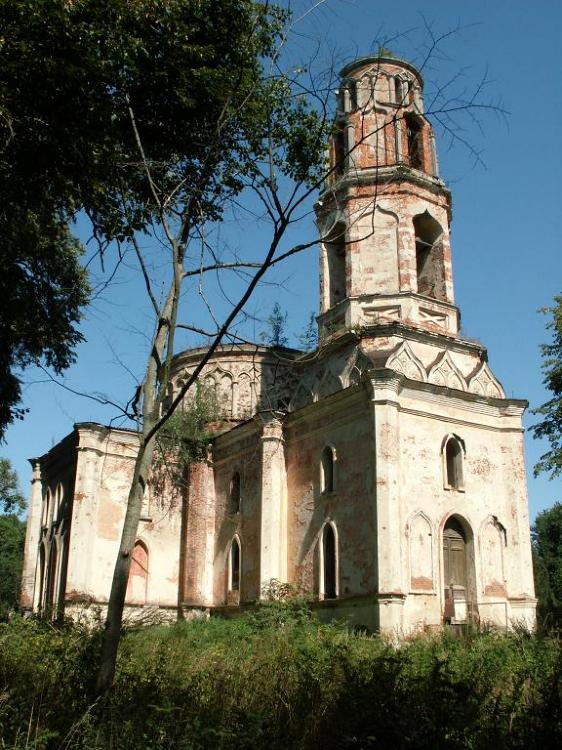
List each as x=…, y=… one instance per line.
x=384, y=56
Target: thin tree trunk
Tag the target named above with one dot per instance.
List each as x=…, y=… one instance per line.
x=118, y=593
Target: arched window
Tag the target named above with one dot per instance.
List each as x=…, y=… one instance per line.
x=453, y=450
x=329, y=563
x=339, y=150
x=50, y=588
x=138, y=574
x=235, y=493
x=414, y=134
x=398, y=90
x=46, y=508
x=327, y=470
x=430, y=266
x=335, y=265
x=234, y=566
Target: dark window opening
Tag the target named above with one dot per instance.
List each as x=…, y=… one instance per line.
x=329, y=550
x=235, y=566
x=414, y=135
x=353, y=94
x=453, y=463
x=454, y=554
x=430, y=265
x=335, y=252
x=235, y=493
x=398, y=90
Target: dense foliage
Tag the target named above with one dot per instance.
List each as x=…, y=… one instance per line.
x=551, y=425
x=12, y=537
x=547, y=553
x=82, y=82
x=278, y=679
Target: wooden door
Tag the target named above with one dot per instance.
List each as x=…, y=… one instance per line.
x=455, y=571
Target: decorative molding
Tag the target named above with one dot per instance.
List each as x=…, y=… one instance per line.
x=406, y=362
x=446, y=373
x=484, y=383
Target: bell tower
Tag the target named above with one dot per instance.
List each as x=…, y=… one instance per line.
x=384, y=214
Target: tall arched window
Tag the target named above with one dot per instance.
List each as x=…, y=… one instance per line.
x=430, y=266
x=235, y=494
x=234, y=566
x=50, y=587
x=398, y=90
x=453, y=450
x=328, y=470
x=414, y=136
x=334, y=246
x=329, y=563
x=138, y=574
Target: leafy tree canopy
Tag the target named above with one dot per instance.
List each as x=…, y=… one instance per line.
x=81, y=83
x=551, y=425
x=547, y=548
x=12, y=537
x=11, y=498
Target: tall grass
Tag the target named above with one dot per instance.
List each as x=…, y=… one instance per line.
x=274, y=679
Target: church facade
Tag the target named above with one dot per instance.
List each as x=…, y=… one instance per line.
x=381, y=475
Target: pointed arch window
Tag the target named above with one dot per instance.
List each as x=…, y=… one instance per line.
x=138, y=574
x=329, y=563
x=235, y=493
x=328, y=470
x=414, y=136
x=453, y=452
x=234, y=565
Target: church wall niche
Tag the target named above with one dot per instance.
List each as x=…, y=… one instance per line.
x=493, y=540
x=421, y=553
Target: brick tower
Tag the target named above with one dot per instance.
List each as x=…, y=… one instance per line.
x=384, y=215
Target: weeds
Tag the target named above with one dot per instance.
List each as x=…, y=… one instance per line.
x=277, y=678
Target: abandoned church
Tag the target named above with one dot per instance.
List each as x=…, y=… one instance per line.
x=381, y=475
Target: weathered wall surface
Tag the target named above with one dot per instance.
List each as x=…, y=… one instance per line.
x=238, y=451
x=341, y=422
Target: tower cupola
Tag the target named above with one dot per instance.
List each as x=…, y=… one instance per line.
x=384, y=213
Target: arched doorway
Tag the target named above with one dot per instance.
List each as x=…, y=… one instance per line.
x=458, y=571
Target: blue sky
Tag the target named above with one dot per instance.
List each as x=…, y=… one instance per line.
x=507, y=256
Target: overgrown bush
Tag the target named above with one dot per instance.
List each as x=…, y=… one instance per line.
x=278, y=678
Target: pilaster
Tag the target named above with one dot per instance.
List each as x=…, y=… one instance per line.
x=29, y=589
x=198, y=538
x=384, y=387
x=273, y=545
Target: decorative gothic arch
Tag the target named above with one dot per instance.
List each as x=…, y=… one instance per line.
x=445, y=372
x=405, y=361
x=484, y=383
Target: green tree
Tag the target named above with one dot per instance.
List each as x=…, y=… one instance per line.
x=11, y=498
x=551, y=425
x=276, y=326
x=309, y=337
x=12, y=537
x=546, y=535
